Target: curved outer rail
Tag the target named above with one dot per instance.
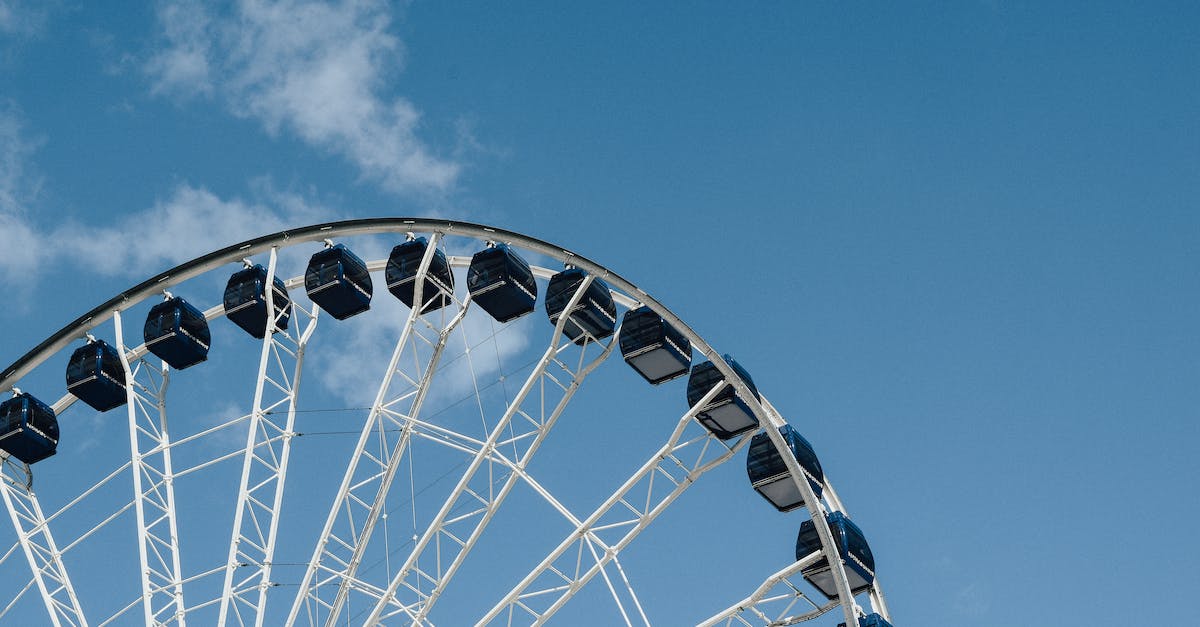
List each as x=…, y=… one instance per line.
x=366, y=226
x=370, y=226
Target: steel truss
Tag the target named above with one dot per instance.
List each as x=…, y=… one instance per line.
x=153, y=485
x=359, y=505
x=475, y=499
x=774, y=602
x=33, y=533
x=497, y=461
x=265, y=465
x=616, y=523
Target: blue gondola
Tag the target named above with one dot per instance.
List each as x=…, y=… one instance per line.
x=338, y=281
x=501, y=283
x=401, y=272
x=246, y=304
x=769, y=475
x=654, y=348
x=96, y=376
x=852, y=545
x=870, y=620
x=727, y=415
x=28, y=428
x=177, y=333
x=593, y=318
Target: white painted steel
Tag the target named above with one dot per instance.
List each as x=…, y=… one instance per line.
x=248, y=593
x=878, y=601
x=757, y=602
x=422, y=386
x=265, y=465
x=153, y=486
x=41, y=551
x=615, y=514
x=442, y=526
x=369, y=474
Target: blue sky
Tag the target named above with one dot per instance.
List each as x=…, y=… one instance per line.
x=956, y=244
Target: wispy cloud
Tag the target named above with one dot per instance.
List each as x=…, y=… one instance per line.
x=15, y=147
x=18, y=236
x=192, y=221
x=21, y=18
x=18, y=187
x=6, y=16
x=228, y=438
x=312, y=68
x=972, y=600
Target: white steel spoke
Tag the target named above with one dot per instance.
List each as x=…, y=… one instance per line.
x=526, y=425
x=618, y=520
x=33, y=532
x=264, y=469
x=355, y=572
x=878, y=601
x=630, y=591
x=361, y=500
x=153, y=486
x=775, y=601
x=13, y=602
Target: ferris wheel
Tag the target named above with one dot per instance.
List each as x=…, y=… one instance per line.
x=399, y=484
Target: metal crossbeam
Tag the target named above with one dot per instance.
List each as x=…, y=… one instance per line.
x=689, y=452
x=774, y=602
x=33, y=533
x=499, y=457
x=383, y=441
x=521, y=430
x=264, y=469
x=153, y=486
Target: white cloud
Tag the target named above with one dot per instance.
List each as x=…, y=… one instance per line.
x=308, y=67
x=6, y=16
x=183, y=65
x=15, y=148
x=972, y=600
x=17, y=188
x=191, y=222
x=21, y=18
x=231, y=436
x=490, y=354
x=23, y=254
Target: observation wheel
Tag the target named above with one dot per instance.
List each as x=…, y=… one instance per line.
x=442, y=433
